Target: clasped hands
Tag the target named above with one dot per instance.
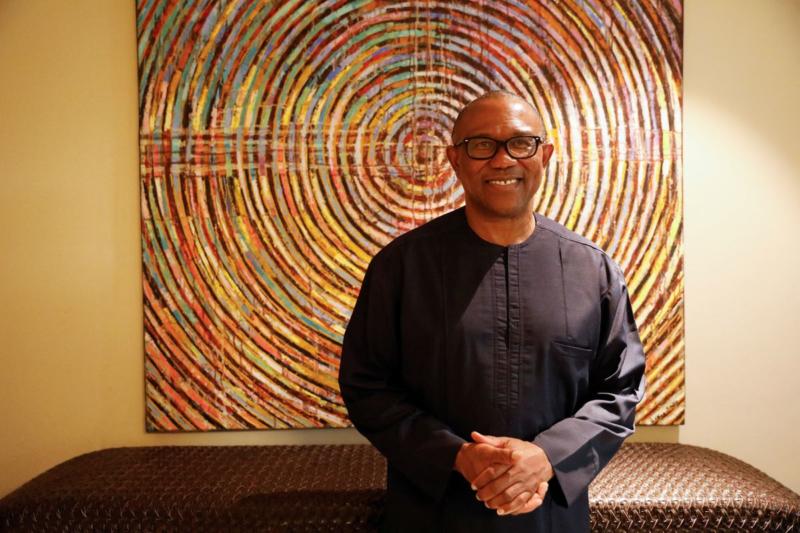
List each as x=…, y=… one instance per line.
x=509, y=475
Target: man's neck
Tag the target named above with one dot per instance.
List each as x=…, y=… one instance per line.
x=503, y=231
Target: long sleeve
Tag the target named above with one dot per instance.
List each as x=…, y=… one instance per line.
x=415, y=443
x=578, y=447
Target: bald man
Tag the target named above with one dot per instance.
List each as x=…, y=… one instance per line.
x=492, y=356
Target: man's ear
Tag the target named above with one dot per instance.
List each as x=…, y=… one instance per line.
x=547, y=151
x=452, y=156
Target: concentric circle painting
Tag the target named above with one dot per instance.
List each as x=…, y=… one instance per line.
x=282, y=144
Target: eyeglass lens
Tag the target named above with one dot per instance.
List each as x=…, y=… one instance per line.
x=517, y=147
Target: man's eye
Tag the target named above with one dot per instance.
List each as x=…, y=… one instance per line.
x=521, y=143
x=483, y=145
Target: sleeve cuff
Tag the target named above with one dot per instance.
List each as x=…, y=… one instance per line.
x=572, y=469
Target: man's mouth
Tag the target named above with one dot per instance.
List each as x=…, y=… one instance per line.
x=503, y=181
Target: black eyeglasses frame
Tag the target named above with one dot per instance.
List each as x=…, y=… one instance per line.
x=539, y=141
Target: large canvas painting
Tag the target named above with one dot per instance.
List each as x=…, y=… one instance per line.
x=282, y=144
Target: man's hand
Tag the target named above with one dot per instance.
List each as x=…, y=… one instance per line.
x=516, y=488
x=474, y=458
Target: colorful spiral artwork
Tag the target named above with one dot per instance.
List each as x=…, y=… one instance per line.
x=282, y=144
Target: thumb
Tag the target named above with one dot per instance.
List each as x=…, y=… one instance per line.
x=486, y=439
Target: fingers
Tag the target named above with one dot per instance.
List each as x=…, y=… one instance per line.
x=485, y=439
x=517, y=500
x=542, y=490
x=473, y=459
x=535, y=501
x=496, y=487
x=488, y=439
x=515, y=505
x=488, y=475
x=499, y=442
x=508, y=496
x=492, y=456
x=501, y=455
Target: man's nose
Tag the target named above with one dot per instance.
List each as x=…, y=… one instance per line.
x=502, y=159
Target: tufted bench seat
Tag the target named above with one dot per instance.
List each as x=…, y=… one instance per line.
x=646, y=487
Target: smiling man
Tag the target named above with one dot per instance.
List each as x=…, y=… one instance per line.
x=492, y=355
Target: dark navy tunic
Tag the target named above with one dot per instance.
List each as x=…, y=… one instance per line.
x=453, y=334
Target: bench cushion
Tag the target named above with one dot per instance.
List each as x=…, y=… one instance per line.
x=647, y=486
x=677, y=487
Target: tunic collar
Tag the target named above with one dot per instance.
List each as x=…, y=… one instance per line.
x=476, y=239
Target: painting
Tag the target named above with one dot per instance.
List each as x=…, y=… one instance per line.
x=282, y=144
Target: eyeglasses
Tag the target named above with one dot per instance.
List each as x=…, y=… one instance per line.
x=521, y=147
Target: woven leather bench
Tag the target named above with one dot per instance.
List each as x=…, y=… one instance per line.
x=647, y=487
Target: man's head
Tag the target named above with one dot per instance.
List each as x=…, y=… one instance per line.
x=500, y=184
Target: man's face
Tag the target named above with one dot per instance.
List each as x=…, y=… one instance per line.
x=500, y=187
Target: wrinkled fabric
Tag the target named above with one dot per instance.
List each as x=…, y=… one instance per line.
x=452, y=334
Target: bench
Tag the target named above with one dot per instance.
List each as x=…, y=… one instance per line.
x=646, y=487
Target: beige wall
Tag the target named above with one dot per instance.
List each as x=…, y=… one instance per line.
x=71, y=362
x=742, y=198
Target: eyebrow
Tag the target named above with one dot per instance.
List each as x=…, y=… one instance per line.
x=515, y=133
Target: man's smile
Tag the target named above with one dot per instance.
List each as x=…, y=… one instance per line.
x=503, y=181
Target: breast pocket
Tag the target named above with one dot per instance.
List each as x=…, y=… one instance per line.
x=571, y=350
x=572, y=365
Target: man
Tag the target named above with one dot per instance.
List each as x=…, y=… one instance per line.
x=492, y=355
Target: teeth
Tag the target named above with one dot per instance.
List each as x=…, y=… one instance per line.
x=503, y=182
